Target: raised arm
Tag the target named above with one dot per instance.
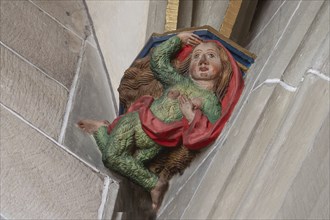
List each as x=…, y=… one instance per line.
x=161, y=57
x=161, y=62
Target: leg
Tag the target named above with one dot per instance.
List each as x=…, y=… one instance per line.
x=118, y=153
x=158, y=192
x=144, y=155
x=101, y=137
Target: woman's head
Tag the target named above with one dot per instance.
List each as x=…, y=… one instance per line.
x=209, y=61
x=205, y=64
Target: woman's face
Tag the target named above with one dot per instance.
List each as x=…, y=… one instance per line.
x=205, y=62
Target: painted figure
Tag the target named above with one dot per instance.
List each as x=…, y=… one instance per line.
x=187, y=112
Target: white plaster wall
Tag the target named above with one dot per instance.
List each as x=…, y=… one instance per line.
x=120, y=28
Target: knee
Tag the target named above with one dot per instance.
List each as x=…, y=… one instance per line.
x=111, y=160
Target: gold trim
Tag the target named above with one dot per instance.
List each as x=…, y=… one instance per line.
x=172, y=10
x=230, y=17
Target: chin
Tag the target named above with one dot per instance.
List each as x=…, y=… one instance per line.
x=205, y=75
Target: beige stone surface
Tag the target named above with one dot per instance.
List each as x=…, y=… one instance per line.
x=264, y=14
x=255, y=149
x=30, y=93
x=40, y=39
x=308, y=195
x=313, y=47
x=264, y=42
x=120, y=28
x=290, y=148
x=41, y=181
x=93, y=100
x=243, y=22
x=321, y=61
x=156, y=17
x=109, y=210
x=209, y=12
x=71, y=13
x=277, y=46
x=185, y=14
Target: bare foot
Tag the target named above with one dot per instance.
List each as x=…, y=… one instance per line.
x=157, y=193
x=91, y=126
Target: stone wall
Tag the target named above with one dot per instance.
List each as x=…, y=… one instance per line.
x=52, y=75
x=120, y=27
x=272, y=159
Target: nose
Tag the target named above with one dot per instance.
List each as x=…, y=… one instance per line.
x=203, y=60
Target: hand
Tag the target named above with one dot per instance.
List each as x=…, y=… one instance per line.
x=189, y=38
x=187, y=108
x=197, y=103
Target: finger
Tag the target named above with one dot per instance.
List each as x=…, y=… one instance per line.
x=194, y=42
x=181, y=100
x=197, y=41
x=190, y=40
x=196, y=38
x=184, y=98
x=191, y=43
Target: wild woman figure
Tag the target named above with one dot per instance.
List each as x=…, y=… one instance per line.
x=188, y=106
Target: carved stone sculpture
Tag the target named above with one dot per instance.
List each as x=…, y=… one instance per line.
x=173, y=109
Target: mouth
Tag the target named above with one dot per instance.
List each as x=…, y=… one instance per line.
x=204, y=69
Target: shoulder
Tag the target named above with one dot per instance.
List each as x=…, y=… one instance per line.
x=211, y=99
x=211, y=102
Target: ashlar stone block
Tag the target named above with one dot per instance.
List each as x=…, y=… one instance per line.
x=71, y=13
x=39, y=180
x=40, y=39
x=29, y=92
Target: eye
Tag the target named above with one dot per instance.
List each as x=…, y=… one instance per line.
x=211, y=55
x=195, y=56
